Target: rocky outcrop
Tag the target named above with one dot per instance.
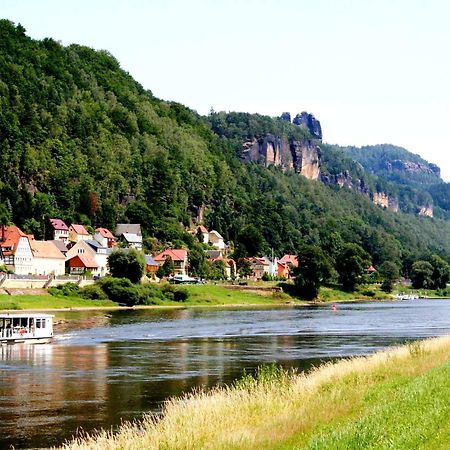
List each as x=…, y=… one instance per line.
x=310, y=123
x=301, y=155
x=344, y=179
x=426, y=211
x=398, y=165
x=384, y=200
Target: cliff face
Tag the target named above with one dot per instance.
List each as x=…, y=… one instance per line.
x=382, y=199
x=345, y=179
x=399, y=165
x=426, y=211
x=301, y=155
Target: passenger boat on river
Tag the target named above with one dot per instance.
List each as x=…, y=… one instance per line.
x=26, y=328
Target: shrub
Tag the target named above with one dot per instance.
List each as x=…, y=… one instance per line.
x=120, y=290
x=65, y=290
x=180, y=295
x=93, y=292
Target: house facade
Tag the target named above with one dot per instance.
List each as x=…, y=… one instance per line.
x=78, y=233
x=92, y=254
x=179, y=258
x=60, y=230
x=47, y=259
x=16, y=251
x=104, y=237
x=216, y=240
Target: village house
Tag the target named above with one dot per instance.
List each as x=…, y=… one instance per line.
x=61, y=246
x=290, y=260
x=131, y=240
x=216, y=240
x=283, y=270
x=229, y=264
x=78, y=233
x=104, y=237
x=204, y=234
x=60, y=230
x=151, y=266
x=15, y=250
x=92, y=257
x=259, y=266
x=179, y=258
x=80, y=264
x=47, y=259
x=131, y=228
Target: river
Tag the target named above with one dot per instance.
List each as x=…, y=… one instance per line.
x=105, y=367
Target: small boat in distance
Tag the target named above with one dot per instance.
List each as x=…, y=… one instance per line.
x=26, y=328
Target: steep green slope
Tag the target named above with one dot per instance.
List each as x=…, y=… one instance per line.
x=80, y=139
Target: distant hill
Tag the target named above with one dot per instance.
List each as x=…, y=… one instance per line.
x=83, y=141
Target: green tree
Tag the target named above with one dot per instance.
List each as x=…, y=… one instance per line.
x=422, y=275
x=244, y=267
x=168, y=267
x=441, y=272
x=389, y=273
x=350, y=265
x=217, y=270
x=198, y=265
x=313, y=269
x=128, y=264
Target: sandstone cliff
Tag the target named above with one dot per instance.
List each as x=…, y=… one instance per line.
x=303, y=155
x=384, y=200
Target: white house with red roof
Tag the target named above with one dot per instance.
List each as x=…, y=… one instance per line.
x=104, y=237
x=179, y=258
x=15, y=250
x=60, y=230
x=78, y=233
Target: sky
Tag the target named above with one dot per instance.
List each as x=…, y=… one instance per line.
x=372, y=71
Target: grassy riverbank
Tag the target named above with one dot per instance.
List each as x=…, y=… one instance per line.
x=199, y=295
x=396, y=399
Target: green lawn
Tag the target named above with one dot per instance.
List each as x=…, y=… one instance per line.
x=22, y=302
x=209, y=294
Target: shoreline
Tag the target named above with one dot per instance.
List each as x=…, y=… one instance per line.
x=208, y=306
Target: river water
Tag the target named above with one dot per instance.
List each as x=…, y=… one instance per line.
x=105, y=367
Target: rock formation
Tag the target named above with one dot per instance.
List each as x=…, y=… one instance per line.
x=426, y=210
x=344, y=179
x=382, y=199
x=412, y=167
x=310, y=123
x=301, y=155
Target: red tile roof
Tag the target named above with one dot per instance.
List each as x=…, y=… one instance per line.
x=79, y=229
x=203, y=229
x=59, y=224
x=12, y=235
x=289, y=259
x=82, y=260
x=175, y=254
x=105, y=233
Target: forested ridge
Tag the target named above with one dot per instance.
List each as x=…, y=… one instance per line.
x=83, y=141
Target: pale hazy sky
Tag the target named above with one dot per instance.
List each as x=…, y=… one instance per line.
x=372, y=71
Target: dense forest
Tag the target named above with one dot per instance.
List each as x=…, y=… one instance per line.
x=83, y=141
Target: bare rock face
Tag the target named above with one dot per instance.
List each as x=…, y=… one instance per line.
x=344, y=179
x=303, y=156
x=382, y=199
x=408, y=166
x=310, y=123
x=306, y=158
x=426, y=211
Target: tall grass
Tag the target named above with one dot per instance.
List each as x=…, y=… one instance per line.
x=329, y=407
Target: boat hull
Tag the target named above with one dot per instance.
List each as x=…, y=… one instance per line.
x=41, y=340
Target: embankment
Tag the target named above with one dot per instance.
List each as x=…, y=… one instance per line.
x=399, y=398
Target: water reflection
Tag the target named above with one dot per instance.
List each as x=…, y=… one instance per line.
x=102, y=368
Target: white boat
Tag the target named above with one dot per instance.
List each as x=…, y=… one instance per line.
x=26, y=328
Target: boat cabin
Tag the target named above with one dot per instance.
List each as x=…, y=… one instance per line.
x=32, y=328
